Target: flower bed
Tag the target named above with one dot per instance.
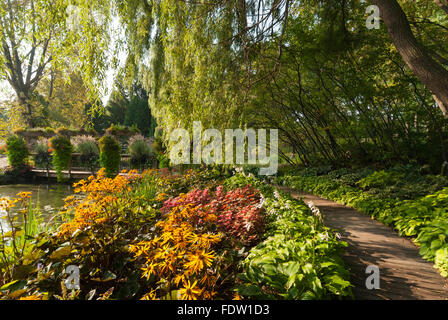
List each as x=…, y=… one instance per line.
x=201, y=235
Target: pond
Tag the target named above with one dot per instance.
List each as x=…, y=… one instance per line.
x=48, y=198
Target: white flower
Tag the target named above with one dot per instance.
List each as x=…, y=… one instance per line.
x=324, y=236
x=276, y=194
x=315, y=210
x=260, y=204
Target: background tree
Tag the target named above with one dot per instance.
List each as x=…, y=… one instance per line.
x=127, y=107
x=39, y=36
x=138, y=113
x=64, y=101
x=428, y=65
x=338, y=92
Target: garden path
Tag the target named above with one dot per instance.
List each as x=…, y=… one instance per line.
x=404, y=275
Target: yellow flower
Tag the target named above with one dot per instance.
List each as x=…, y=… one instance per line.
x=32, y=297
x=150, y=296
x=199, y=260
x=190, y=291
x=150, y=269
x=101, y=220
x=209, y=294
x=24, y=195
x=206, y=239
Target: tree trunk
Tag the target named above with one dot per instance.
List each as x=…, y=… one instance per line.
x=27, y=112
x=432, y=74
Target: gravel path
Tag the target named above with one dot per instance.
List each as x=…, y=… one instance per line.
x=404, y=275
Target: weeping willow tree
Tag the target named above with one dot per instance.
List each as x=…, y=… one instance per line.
x=196, y=59
x=338, y=91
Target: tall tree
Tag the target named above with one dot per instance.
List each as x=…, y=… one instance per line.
x=37, y=36
x=430, y=72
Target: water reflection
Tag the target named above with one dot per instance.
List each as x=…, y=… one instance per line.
x=47, y=198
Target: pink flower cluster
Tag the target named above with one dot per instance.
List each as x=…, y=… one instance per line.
x=197, y=197
x=240, y=216
x=239, y=212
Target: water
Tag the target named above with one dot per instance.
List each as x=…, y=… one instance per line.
x=48, y=198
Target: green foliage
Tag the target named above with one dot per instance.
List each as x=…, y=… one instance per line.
x=90, y=153
x=120, y=130
x=441, y=261
x=17, y=151
x=49, y=130
x=139, y=115
x=109, y=154
x=296, y=259
x=401, y=197
x=43, y=157
x=142, y=153
x=164, y=161
x=299, y=258
x=62, y=154
x=380, y=179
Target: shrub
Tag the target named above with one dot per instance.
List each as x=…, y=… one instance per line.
x=164, y=162
x=141, y=151
x=380, y=179
x=17, y=151
x=119, y=130
x=88, y=148
x=109, y=154
x=441, y=261
x=62, y=154
x=43, y=154
x=49, y=130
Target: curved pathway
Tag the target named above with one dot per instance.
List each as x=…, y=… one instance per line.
x=404, y=275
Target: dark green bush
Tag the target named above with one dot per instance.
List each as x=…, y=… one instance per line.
x=380, y=179
x=88, y=148
x=17, y=151
x=62, y=154
x=142, y=153
x=43, y=157
x=109, y=154
x=164, y=162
